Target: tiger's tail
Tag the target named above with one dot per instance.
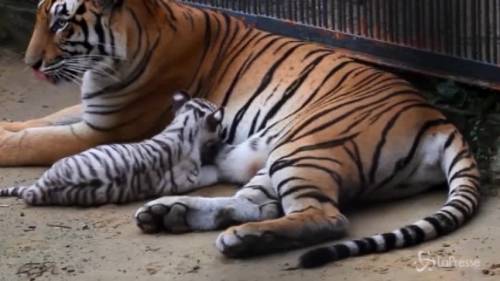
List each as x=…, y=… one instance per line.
x=462, y=176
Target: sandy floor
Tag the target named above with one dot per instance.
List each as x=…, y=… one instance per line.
x=104, y=244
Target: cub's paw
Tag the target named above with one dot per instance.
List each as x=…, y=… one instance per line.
x=246, y=240
x=164, y=214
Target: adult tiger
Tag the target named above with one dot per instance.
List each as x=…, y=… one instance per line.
x=339, y=131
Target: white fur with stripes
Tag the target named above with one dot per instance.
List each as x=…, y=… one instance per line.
x=168, y=163
x=71, y=5
x=41, y=2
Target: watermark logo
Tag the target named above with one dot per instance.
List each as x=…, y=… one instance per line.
x=428, y=262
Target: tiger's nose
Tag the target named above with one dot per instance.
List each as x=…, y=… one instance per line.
x=37, y=65
x=34, y=63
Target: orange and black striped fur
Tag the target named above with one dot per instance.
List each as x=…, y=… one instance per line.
x=336, y=131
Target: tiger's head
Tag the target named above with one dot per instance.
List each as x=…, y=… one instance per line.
x=73, y=36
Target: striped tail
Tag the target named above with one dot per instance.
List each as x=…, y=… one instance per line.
x=462, y=203
x=13, y=191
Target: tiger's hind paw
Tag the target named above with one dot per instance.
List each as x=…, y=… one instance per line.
x=246, y=240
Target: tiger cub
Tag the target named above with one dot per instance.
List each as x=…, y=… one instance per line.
x=168, y=163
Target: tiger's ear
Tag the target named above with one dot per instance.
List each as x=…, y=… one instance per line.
x=214, y=119
x=179, y=99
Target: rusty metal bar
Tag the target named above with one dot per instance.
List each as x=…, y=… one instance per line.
x=458, y=39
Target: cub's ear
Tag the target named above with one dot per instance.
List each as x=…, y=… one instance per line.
x=215, y=119
x=179, y=99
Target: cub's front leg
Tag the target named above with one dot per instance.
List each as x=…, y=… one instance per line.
x=178, y=214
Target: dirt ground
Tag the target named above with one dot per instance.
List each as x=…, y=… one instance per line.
x=104, y=244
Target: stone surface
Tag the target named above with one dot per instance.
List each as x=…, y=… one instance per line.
x=16, y=22
x=60, y=244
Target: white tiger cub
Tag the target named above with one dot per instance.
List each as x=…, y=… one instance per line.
x=168, y=163
x=243, y=163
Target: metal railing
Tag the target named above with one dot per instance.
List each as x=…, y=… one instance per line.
x=459, y=39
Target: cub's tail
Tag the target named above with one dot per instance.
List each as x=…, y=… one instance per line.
x=462, y=176
x=13, y=191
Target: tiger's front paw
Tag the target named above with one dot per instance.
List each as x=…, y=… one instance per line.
x=245, y=240
x=168, y=215
x=12, y=126
x=5, y=125
x=4, y=136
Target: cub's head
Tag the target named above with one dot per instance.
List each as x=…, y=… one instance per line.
x=73, y=36
x=202, y=117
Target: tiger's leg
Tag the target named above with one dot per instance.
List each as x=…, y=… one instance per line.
x=308, y=189
x=45, y=145
x=65, y=116
x=177, y=214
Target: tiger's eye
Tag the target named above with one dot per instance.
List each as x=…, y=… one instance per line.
x=58, y=25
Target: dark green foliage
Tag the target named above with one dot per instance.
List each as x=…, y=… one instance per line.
x=477, y=112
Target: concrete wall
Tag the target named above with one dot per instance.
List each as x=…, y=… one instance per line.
x=16, y=22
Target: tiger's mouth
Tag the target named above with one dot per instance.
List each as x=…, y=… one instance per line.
x=72, y=68
x=40, y=75
x=53, y=77
x=58, y=71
